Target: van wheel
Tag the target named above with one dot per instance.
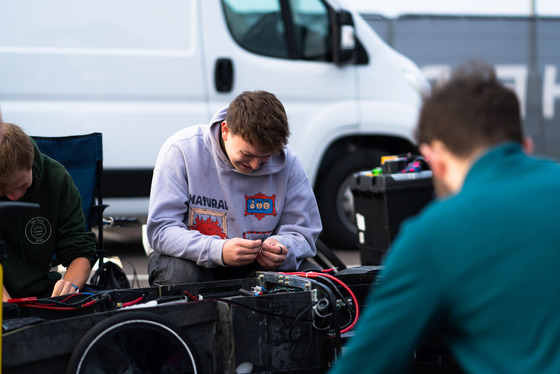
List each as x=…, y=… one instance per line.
x=335, y=199
x=133, y=342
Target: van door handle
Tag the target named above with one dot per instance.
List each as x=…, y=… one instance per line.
x=223, y=75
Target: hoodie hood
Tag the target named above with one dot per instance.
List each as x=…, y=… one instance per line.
x=276, y=163
x=37, y=170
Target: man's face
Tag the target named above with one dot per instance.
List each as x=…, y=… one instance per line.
x=22, y=181
x=441, y=188
x=244, y=156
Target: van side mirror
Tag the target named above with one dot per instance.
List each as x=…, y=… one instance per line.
x=345, y=51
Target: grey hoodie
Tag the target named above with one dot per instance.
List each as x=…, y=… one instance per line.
x=199, y=200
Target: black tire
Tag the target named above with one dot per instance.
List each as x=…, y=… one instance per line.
x=133, y=342
x=335, y=199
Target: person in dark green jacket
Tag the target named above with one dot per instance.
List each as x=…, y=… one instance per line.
x=57, y=228
x=480, y=266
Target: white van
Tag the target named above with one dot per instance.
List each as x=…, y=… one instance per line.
x=139, y=70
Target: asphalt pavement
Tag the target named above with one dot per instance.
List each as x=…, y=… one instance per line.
x=126, y=244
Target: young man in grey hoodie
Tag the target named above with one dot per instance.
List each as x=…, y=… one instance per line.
x=231, y=197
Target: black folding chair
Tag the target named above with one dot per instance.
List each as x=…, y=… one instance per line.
x=82, y=156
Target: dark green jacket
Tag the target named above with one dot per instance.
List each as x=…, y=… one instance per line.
x=483, y=267
x=58, y=227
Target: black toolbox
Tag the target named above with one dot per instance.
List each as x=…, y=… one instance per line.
x=381, y=203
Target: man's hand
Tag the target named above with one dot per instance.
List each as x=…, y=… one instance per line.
x=63, y=287
x=75, y=277
x=273, y=254
x=5, y=295
x=239, y=252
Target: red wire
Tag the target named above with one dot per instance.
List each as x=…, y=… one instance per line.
x=51, y=307
x=317, y=275
x=39, y=306
x=194, y=298
x=69, y=296
x=91, y=302
x=133, y=301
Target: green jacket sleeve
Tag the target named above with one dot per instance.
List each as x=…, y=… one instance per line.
x=72, y=239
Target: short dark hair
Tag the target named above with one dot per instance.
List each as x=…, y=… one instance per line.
x=16, y=154
x=260, y=119
x=471, y=110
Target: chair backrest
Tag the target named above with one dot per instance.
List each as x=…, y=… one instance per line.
x=82, y=156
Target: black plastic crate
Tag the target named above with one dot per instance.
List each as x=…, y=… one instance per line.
x=382, y=202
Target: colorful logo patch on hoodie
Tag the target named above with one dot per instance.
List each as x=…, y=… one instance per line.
x=260, y=205
x=38, y=230
x=208, y=222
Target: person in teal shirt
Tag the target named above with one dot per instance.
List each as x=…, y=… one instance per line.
x=480, y=265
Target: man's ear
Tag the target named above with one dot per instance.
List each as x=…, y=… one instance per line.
x=528, y=145
x=433, y=154
x=224, y=129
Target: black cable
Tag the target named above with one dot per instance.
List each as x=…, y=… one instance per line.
x=342, y=297
x=134, y=273
x=336, y=322
x=293, y=340
x=264, y=311
x=50, y=301
x=350, y=308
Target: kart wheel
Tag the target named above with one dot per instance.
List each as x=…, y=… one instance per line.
x=335, y=199
x=133, y=342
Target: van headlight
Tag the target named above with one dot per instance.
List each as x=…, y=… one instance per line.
x=417, y=81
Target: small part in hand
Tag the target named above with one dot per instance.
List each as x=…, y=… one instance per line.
x=263, y=238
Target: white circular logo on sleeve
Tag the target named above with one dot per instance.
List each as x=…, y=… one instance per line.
x=38, y=230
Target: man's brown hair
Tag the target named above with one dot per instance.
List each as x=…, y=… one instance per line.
x=470, y=111
x=260, y=119
x=16, y=154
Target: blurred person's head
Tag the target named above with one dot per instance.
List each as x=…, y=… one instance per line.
x=1, y=127
x=463, y=117
x=16, y=161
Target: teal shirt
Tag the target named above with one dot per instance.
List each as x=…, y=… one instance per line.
x=58, y=227
x=483, y=267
